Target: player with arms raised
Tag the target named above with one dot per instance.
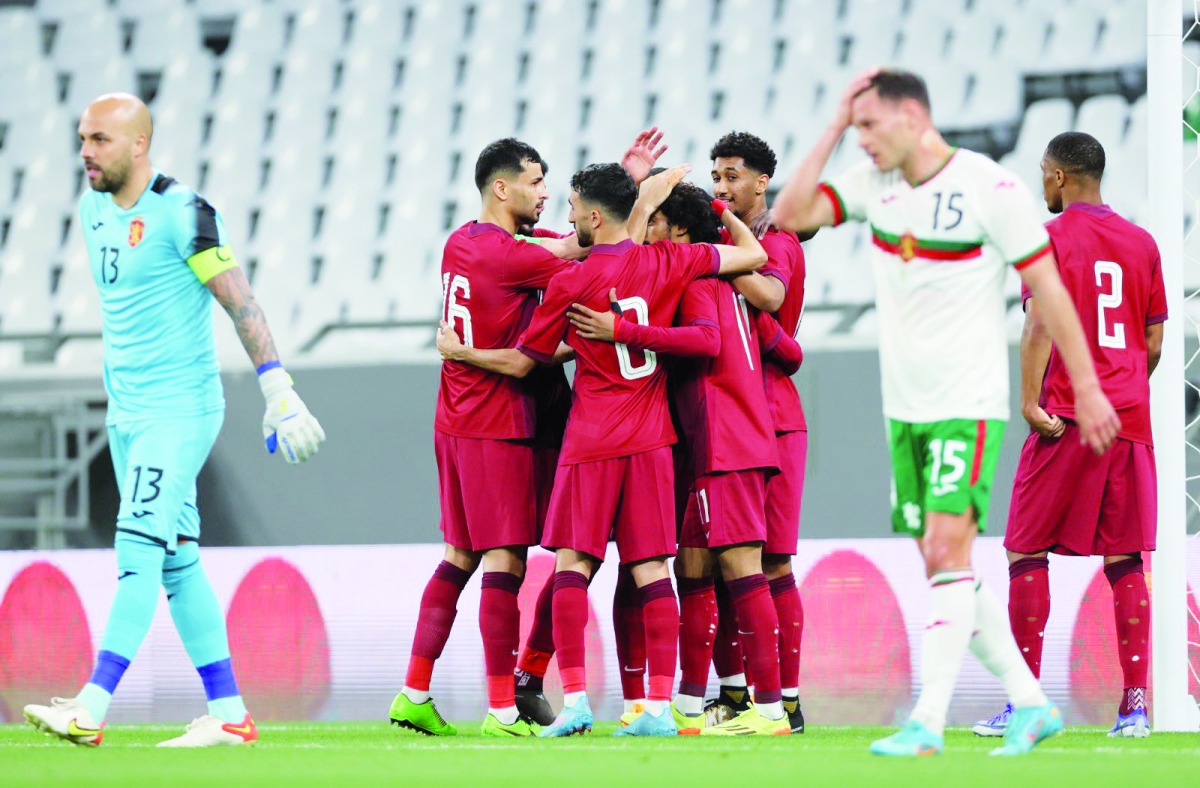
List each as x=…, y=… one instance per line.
x=946, y=224
x=1112, y=270
x=159, y=254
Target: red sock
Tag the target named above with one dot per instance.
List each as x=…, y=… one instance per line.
x=500, y=625
x=439, y=605
x=760, y=632
x=727, y=648
x=570, y=614
x=1131, y=611
x=630, y=634
x=697, y=628
x=1029, y=607
x=660, y=612
x=539, y=646
x=790, y=612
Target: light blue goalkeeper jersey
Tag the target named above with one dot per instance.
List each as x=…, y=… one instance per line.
x=151, y=263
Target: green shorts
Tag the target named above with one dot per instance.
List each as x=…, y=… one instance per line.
x=942, y=466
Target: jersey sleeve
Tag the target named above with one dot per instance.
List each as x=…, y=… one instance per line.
x=1009, y=220
x=200, y=237
x=776, y=346
x=851, y=192
x=696, y=334
x=528, y=266
x=549, y=324
x=781, y=257
x=1156, y=311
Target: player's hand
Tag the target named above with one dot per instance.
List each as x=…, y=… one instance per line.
x=842, y=117
x=760, y=225
x=643, y=154
x=448, y=343
x=287, y=424
x=658, y=187
x=1098, y=422
x=1043, y=423
x=594, y=325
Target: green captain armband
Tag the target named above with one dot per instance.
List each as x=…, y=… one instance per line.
x=530, y=239
x=212, y=261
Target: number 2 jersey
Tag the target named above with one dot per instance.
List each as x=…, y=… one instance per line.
x=1112, y=269
x=620, y=399
x=151, y=263
x=941, y=250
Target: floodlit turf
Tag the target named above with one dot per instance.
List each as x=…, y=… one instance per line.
x=372, y=754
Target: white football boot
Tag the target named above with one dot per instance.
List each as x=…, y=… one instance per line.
x=67, y=719
x=210, y=731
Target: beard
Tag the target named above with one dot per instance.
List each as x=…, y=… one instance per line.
x=585, y=236
x=113, y=179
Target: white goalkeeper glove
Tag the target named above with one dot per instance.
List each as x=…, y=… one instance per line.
x=287, y=424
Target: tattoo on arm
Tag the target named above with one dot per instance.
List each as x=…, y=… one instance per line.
x=232, y=291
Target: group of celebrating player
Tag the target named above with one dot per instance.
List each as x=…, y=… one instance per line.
x=684, y=434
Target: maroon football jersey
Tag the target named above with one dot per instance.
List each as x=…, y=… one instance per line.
x=489, y=292
x=1111, y=268
x=620, y=402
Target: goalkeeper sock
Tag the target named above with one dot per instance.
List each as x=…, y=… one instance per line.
x=946, y=638
x=660, y=613
x=201, y=625
x=996, y=649
x=760, y=639
x=439, y=606
x=1131, y=613
x=570, y=624
x=539, y=645
x=1029, y=607
x=697, y=627
x=139, y=575
x=630, y=636
x=500, y=626
x=790, y=613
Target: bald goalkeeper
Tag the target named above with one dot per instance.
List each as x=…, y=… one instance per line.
x=158, y=250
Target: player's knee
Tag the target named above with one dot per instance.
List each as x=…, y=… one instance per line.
x=464, y=559
x=776, y=565
x=178, y=568
x=505, y=559
x=138, y=556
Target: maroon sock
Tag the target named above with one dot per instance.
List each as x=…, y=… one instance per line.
x=439, y=605
x=1131, y=612
x=760, y=633
x=660, y=613
x=1029, y=607
x=539, y=646
x=790, y=611
x=630, y=634
x=697, y=626
x=727, y=648
x=500, y=626
x=570, y=614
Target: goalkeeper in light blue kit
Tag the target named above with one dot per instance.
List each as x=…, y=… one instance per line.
x=158, y=251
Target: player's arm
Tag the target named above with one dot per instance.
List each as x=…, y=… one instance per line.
x=1154, y=340
x=698, y=338
x=745, y=254
x=802, y=203
x=504, y=361
x=1098, y=422
x=777, y=347
x=643, y=154
x=287, y=424
x=762, y=292
x=564, y=248
x=1035, y=354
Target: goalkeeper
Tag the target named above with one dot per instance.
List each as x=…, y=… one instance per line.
x=157, y=251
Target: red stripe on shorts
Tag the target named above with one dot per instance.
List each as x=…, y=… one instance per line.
x=980, y=436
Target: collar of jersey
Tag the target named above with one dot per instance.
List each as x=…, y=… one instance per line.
x=1100, y=210
x=134, y=208
x=617, y=248
x=478, y=227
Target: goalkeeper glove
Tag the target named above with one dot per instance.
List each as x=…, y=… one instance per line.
x=287, y=424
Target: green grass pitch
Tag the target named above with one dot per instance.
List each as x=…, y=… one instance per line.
x=376, y=754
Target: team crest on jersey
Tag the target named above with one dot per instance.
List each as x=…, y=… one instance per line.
x=137, y=230
x=908, y=246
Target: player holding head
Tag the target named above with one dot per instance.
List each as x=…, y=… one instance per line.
x=729, y=448
x=946, y=223
x=615, y=471
x=159, y=254
x=1112, y=270
x=742, y=168
x=484, y=431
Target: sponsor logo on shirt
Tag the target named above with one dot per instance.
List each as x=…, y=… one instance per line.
x=137, y=231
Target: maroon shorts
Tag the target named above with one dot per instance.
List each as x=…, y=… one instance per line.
x=784, y=492
x=545, y=465
x=487, y=492
x=1067, y=500
x=631, y=498
x=726, y=509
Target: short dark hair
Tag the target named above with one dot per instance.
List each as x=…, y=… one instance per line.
x=609, y=186
x=895, y=85
x=756, y=153
x=1077, y=153
x=505, y=157
x=690, y=207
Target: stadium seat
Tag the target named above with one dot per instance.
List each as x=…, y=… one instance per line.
x=1043, y=120
x=25, y=295
x=164, y=33
x=19, y=37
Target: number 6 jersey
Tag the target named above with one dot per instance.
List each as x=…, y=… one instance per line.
x=941, y=250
